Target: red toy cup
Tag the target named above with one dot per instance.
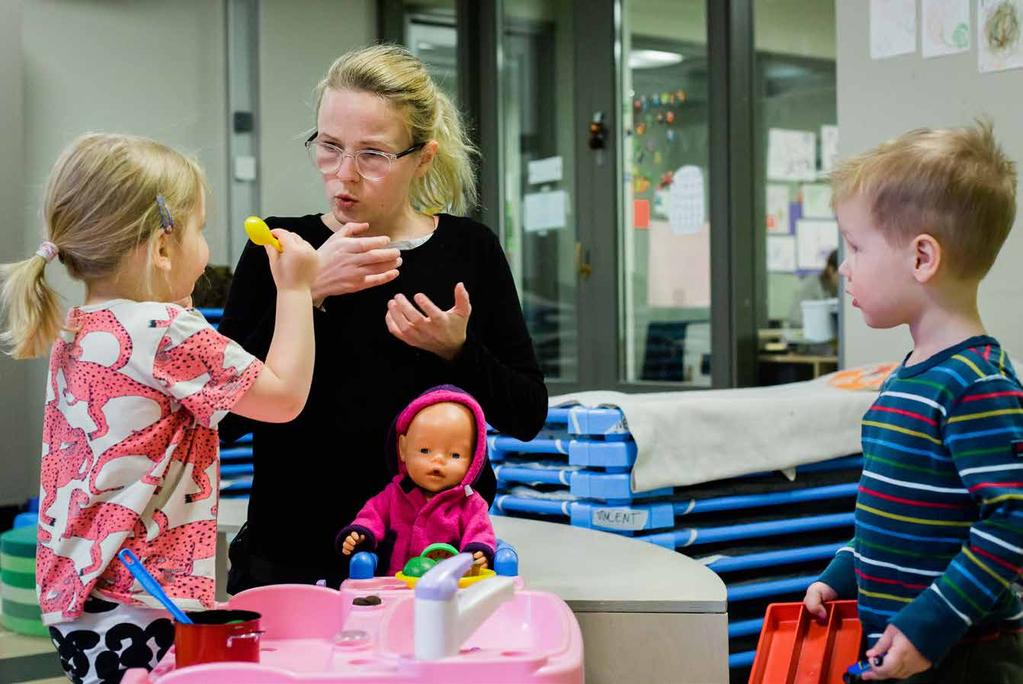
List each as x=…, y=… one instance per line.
x=217, y=636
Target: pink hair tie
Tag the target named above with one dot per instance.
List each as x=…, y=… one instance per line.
x=47, y=250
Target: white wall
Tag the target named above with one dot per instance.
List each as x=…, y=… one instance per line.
x=880, y=99
x=154, y=68
x=19, y=449
x=298, y=41
x=147, y=67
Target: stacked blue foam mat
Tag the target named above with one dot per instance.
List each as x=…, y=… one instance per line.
x=766, y=535
x=235, y=457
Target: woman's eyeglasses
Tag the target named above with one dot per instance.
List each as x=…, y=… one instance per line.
x=370, y=164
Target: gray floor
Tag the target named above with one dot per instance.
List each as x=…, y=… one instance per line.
x=26, y=660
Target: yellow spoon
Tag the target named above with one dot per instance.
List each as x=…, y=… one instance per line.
x=260, y=234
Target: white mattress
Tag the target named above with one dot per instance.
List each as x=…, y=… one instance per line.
x=689, y=437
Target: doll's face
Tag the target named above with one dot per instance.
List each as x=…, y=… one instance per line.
x=438, y=446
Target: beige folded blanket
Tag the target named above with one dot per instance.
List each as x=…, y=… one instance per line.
x=686, y=438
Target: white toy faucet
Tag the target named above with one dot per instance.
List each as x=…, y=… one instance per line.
x=446, y=617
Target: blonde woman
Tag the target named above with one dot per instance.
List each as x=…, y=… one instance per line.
x=409, y=297
x=136, y=387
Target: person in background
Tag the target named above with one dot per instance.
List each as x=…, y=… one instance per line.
x=813, y=288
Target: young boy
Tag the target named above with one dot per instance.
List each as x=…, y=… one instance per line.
x=939, y=513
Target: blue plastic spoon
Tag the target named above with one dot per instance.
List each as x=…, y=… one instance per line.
x=149, y=583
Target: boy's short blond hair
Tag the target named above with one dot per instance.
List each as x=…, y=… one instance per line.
x=955, y=184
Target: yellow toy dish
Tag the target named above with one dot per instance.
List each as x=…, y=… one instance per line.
x=466, y=581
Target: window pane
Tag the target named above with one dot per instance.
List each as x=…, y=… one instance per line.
x=796, y=115
x=431, y=36
x=665, y=228
x=538, y=160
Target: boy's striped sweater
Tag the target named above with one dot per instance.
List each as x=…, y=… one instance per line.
x=939, y=512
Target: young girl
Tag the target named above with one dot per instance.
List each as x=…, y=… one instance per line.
x=137, y=385
x=410, y=296
x=439, y=443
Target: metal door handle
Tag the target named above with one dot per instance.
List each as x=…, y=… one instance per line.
x=582, y=262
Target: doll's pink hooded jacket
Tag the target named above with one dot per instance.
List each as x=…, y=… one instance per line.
x=400, y=522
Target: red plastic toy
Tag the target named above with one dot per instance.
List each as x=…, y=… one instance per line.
x=795, y=648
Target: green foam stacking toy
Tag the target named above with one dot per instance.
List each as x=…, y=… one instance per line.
x=19, y=605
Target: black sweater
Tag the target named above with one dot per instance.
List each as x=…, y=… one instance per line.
x=312, y=475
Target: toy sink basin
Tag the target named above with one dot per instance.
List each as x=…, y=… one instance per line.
x=316, y=634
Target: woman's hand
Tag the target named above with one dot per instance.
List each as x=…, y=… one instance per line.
x=428, y=327
x=349, y=264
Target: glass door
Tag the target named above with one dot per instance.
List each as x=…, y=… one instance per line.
x=795, y=114
x=596, y=120
x=664, y=233
x=538, y=159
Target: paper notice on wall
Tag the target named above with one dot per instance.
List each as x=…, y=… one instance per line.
x=892, y=28
x=817, y=200
x=641, y=213
x=815, y=240
x=678, y=267
x=662, y=204
x=999, y=35
x=686, y=210
x=777, y=208
x=829, y=148
x=544, y=210
x=944, y=27
x=791, y=155
x=781, y=253
x=544, y=170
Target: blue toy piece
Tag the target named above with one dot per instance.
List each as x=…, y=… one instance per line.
x=506, y=562
x=363, y=565
x=29, y=519
x=854, y=675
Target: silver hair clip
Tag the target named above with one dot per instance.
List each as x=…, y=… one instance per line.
x=166, y=220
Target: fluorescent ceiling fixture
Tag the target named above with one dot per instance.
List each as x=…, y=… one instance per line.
x=646, y=59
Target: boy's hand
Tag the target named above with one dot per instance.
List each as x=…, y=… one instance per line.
x=816, y=594
x=352, y=541
x=901, y=659
x=297, y=266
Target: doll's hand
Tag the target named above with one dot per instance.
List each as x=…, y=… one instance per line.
x=479, y=559
x=901, y=659
x=352, y=541
x=433, y=330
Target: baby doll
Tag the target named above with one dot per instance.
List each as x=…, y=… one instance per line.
x=441, y=448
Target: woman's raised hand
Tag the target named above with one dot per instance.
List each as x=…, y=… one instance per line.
x=349, y=263
x=428, y=327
